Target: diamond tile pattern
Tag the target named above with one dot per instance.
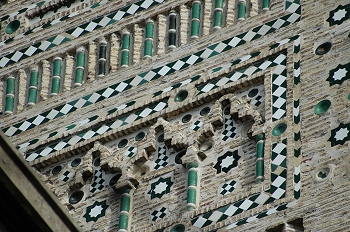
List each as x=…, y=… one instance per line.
x=66, y=176
x=278, y=61
x=228, y=187
x=162, y=159
x=131, y=151
x=197, y=125
x=177, y=85
x=78, y=31
x=230, y=130
x=98, y=183
x=257, y=101
x=70, y=141
x=158, y=214
x=145, y=77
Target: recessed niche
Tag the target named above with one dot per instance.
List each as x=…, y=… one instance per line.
x=323, y=173
x=97, y=162
x=123, y=143
x=178, y=228
x=253, y=92
x=322, y=106
x=182, y=95
x=140, y=136
x=76, y=196
x=75, y=162
x=160, y=138
x=56, y=170
x=204, y=111
x=279, y=129
x=323, y=48
x=227, y=111
x=206, y=146
x=178, y=156
x=12, y=27
x=114, y=179
x=186, y=118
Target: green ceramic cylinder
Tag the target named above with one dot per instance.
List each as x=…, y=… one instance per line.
x=125, y=203
x=172, y=21
x=126, y=41
x=191, y=196
x=219, y=3
x=125, y=58
x=32, y=96
x=218, y=19
x=195, y=28
x=79, y=76
x=196, y=10
x=81, y=59
x=148, y=48
x=266, y=4
x=149, y=29
x=10, y=85
x=33, y=78
x=123, y=221
x=192, y=178
x=9, y=106
x=57, y=67
x=241, y=10
x=101, y=67
x=172, y=39
x=55, y=88
x=259, y=169
x=103, y=49
x=260, y=149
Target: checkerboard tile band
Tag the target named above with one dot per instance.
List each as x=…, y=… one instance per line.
x=66, y=176
x=235, y=62
x=52, y=22
x=77, y=32
x=230, y=130
x=131, y=151
x=98, y=183
x=119, y=122
x=197, y=125
x=297, y=183
x=230, y=210
x=158, y=214
x=266, y=213
x=177, y=85
x=277, y=62
x=162, y=159
x=72, y=126
x=279, y=94
x=125, y=85
x=23, y=10
x=228, y=187
x=257, y=101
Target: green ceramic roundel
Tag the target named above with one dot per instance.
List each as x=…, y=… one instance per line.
x=181, y=96
x=76, y=197
x=56, y=170
x=122, y=143
x=349, y=96
x=178, y=228
x=205, y=111
x=323, y=48
x=12, y=27
x=75, y=162
x=140, y=136
x=279, y=129
x=253, y=92
x=322, y=106
x=186, y=118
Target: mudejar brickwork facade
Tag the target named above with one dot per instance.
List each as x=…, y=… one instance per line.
x=201, y=115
